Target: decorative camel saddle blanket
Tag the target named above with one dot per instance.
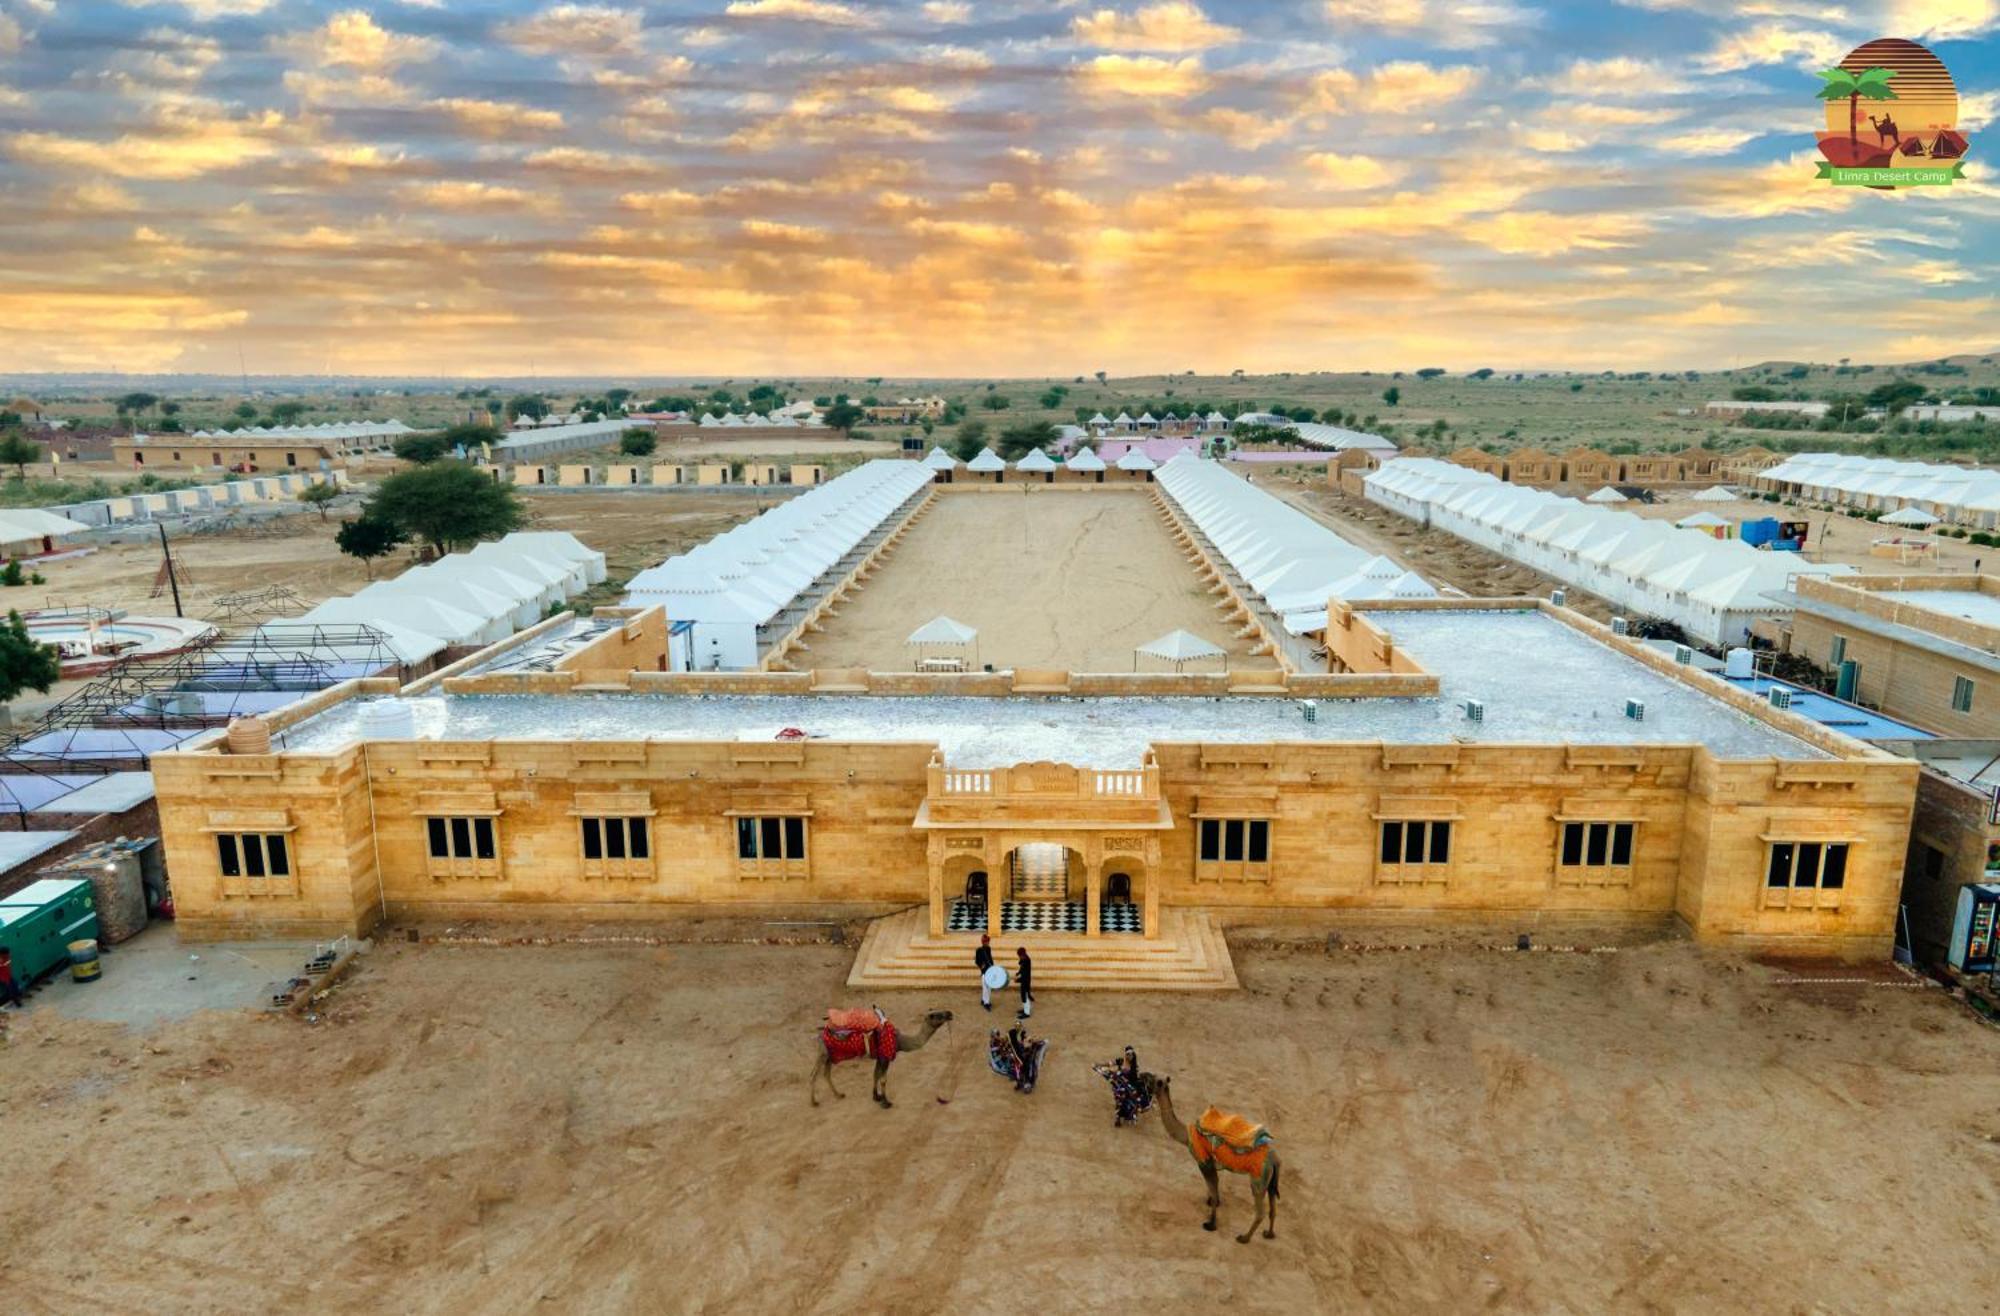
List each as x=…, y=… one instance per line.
x=858, y=1034
x=1231, y=1141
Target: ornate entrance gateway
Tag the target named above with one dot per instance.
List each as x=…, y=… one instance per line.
x=1044, y=847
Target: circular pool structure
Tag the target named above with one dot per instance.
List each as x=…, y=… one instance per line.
x=91, y=641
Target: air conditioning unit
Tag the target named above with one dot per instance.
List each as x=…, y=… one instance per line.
x=1619, y=626
x=1559, y=597
x=1635, y=709
x=1475, y=710
x=1780, y=697
x=1309, y=709
x=1683, y=653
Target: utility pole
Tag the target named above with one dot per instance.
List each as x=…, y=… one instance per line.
x=172, y=581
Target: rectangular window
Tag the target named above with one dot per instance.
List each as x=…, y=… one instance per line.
x=1961, y=695
x=1800, y=872
x=463, y=847
x=1595, y=853
x=616, y=847
x=772, y=847
x=1414, y=851
x=254, y=863
x=1837, y=652
x=1233, y=850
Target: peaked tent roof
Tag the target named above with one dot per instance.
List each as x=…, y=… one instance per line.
x=942, y=630
x=1037, y=461
x=1180, y=647
x=1694, y=519
x=987, y=460
x=1607, y=495
x=1915, y=516
x=1716, y=494
x=937, y=459
x=1135, y=459
x=1083, y=459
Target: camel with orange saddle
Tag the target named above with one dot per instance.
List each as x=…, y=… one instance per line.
x=866, y=1034
x=1220, y=1141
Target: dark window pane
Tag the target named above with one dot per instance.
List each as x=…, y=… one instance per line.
x=1572, y=844
x=1232, y=841
x=1599, y=845
x=1260, y=842
x=795, y=838
x=1413, y=842
x=279, y=858
x=1440, y=842
x=1780, y=872
x=746, y=838
x=440, y=847
x=641, y=847
x=482, y=836
x=461, y=838
x=225, y=850
x=1211, y=840
x=593, y=843
x=1807, y=872
x=769, y=843
x=253, y=856
x=1833, y=873
x=1621, y=844
x=614, y=838
x=1392, y=843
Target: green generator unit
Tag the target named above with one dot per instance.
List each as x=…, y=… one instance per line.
x=38, y=922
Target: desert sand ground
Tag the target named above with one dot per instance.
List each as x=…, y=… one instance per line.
x=1049, y=579
x=564, y=1128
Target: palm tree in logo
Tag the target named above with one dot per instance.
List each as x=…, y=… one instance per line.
x=1851, y=87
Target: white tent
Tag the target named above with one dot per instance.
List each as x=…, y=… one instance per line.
x=1085, y=461
x=1607, y=495
x=987, y=462
x=1701, y=521
x=20, y=524
x=1036, y=463
x=1715, y=494
x=1178, y=649
x=1132, y=459
x=1910, y=516
x=944, y=643
x=937, y=459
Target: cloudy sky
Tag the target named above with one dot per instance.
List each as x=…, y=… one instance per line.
x=967, y=187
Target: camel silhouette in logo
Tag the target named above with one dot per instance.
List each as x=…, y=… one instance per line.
x=1885, y=129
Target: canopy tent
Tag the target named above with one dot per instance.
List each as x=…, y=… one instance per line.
x=1178, y=649
x=1036, y=463
x=1607, y=495
x=987, y=462
x=937, y=459
x=1085, y=461
x=934, y=640
x=1135, y=459
x=20, y=524
x=1910, y=516
x=1701, y=521
x=1717, y=494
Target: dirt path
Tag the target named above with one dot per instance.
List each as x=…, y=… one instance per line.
x=491, y=1129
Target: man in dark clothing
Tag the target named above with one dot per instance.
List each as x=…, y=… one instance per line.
x=1025, y=976
x=982, y=960
x=10, y=991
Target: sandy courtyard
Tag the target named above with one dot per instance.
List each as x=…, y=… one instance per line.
x=625, y=1129
x=1069, y=580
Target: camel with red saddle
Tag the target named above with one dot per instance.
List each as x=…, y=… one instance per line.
x=1218, y=1141
x=866, y=1034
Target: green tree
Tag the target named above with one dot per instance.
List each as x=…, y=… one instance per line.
x=1753, y=393
x=1484, y=372
x=617, y=397
x=317, y=496
x=25, y=663
x=17, y=452
x=1392, y=395
x=1852, y=87
x=532, y=405
x=637, y=443
x=971, y=437
x=421, y=449
x=1053, y=397
x=446, y=504
x=1896, y=395
x=1100, y=376
x=469, y=434
x=1430, y=372
x=367, y=538
x=287, y=413
x=996, y=402
x=843, y=416
x=1019, y=440
x=245, y=411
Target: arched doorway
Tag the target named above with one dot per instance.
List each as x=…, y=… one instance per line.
x=1044, y=890
x=1121, y=898
x=965, y=890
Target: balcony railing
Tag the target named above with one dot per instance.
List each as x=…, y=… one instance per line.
x=1045, y=782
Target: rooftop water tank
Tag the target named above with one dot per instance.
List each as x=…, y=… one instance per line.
x=1737, y=666
x=388, y=719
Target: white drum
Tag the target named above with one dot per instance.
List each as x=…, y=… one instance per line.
x=995, y=977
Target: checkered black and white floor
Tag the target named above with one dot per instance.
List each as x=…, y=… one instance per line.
x=1044, y=916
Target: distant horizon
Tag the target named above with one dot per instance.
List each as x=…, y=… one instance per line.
x=541, y=189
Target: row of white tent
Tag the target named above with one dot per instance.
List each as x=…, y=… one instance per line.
x=1214, y=420
x=1294, y=563
x=1962, y=495
x=1711, y=588
x=777, y=418
x=332, y=429
x=474, y=598
x=583, y=434
x=1083, y=461
x=743, y=578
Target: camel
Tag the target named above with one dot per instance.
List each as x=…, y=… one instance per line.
x=903, y=1042
x=1885, y=129
x=1263, y=1183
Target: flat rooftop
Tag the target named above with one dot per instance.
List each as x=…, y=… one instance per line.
x=1967, y=603
x=1541, y=681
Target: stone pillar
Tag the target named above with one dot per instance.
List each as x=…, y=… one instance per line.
x=1093, y=898
x=935, y=853
x=1152, y=896
x=996, y=893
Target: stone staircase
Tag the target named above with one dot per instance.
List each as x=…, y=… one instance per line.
x=1189, y=955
